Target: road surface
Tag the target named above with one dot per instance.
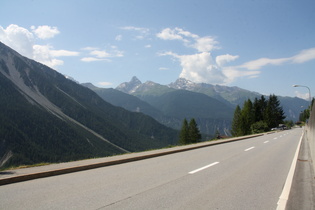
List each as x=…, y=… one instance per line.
x=247, y=174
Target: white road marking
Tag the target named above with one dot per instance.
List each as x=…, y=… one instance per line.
x=275, y=138
x=266, y=142
x=249, y=149
x=202, y=168
x=282, y=202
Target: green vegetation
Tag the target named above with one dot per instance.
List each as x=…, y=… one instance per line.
x=189, y=133
x=305, y=114
x=257, y=117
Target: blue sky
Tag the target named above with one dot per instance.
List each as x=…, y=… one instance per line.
x=263, y=46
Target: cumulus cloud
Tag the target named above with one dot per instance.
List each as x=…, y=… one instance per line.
x=171, y=34
x=201, y=67
x=18, y=38
x=205, y=44
x=23, y=41
x=45, y=32
x=305, y=96
x=42, y=54
x=202, y=44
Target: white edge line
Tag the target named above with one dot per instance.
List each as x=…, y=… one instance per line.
x=266, y=142
x=249, y=149
x=288, y=183
x=202, y=168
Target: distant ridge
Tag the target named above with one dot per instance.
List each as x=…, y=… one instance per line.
x=170, y=104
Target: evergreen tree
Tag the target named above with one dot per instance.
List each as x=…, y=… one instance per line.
x=189, y=133
x=184, y=133
x=259, y=108
x=194, y=133
x=274, y=114
x=260, y=116
x=247, y=117
x=237, y=121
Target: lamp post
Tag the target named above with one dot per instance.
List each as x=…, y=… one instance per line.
x=309, y=91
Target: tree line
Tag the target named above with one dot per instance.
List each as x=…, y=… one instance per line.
x=259, y=116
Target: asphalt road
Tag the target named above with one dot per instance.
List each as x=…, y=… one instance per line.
x=247, y=174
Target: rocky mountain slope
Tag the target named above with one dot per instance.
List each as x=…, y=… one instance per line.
x=46, y=117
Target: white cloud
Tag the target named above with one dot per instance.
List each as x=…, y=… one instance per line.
x=148, y=46
x=223, y=59
x=142, y=32
x=202, y=44
x=89, y=48
x=133, y=28
x=118, y=38
x=100, y=53
x=41, y=53
x=23, y=41
x=18, y=38
x=105, y=83
x=304, y=56
x=92, y=59
x=60, y=53
x=305, y=96
x=233, y=73
x=45, y=32
x=206, y=44
x=259, y=63
x=163, y=68
x=171, y=34
x=199, y=67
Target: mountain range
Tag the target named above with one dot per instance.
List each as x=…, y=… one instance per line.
x=211, y=105
x=46, y=117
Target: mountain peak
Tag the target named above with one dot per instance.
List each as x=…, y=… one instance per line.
x=135, y=80
x=182, y=83
x=130, y=87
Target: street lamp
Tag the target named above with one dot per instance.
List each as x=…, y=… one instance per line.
x=309, y=91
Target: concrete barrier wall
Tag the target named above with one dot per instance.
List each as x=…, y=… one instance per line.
x=310, y=134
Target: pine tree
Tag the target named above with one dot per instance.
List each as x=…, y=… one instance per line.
x=184, y=133
x=274, y=114
x=237, y=121
x=247, y=117
x=194, y=133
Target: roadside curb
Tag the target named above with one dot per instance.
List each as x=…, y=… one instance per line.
x=120, y=160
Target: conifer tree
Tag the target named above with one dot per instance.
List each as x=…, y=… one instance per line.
x=274, y=114
x=237, y=121
x=184, y=133
x=189, y=133
x=194, y=133
x=247, y=117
